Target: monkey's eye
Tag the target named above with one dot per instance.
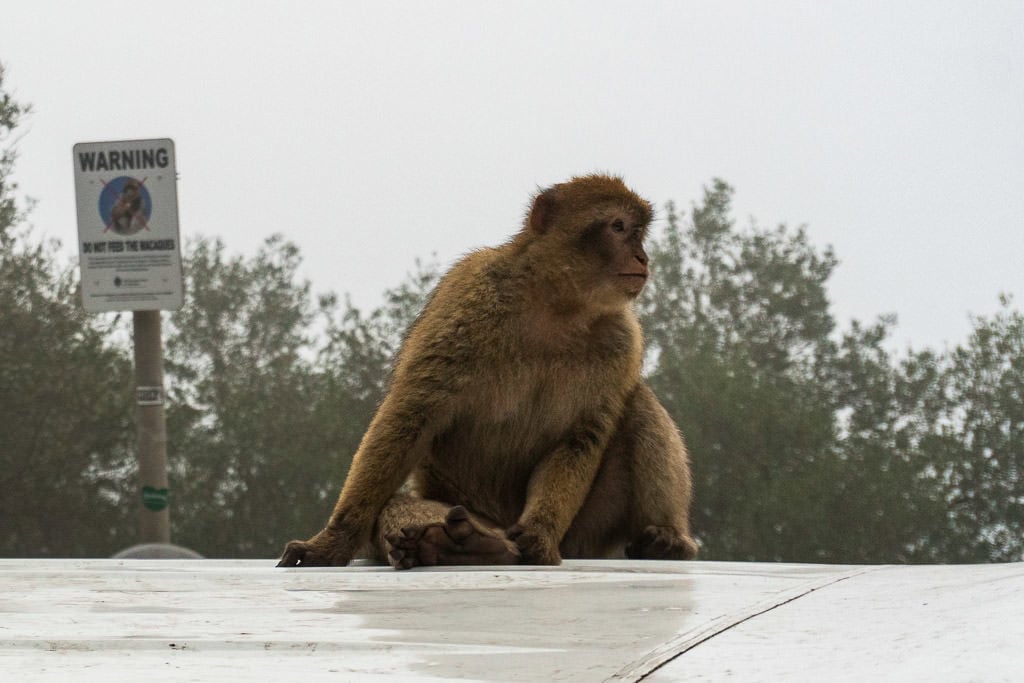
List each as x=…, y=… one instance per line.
x=618, y=225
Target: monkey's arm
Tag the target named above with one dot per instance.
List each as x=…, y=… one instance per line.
x=558, y=488
x=396, y=440
x=432, y=366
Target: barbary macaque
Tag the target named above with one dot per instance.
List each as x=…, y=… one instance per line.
x=125, y=215
x=516, y=415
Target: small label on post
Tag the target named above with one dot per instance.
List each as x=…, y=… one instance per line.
x=149, y=396
x=154, y=499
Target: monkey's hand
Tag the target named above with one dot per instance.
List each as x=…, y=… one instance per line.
x=536, y=546
x=326, y=549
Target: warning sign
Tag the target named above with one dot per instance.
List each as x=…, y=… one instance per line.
x=129, y=247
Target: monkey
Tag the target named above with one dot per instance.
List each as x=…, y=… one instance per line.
x=126, y=213
x=517, y=428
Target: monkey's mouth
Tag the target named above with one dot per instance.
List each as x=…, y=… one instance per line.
x=633, y=283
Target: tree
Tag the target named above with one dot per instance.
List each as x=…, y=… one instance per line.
x=887, y=502
x=249, y=452
x=267, y=409
x=980, y=443
x=360, y=348
x=799, y=453
x=65, y=394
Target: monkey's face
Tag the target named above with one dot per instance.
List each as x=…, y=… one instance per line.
x=590, y=231
x=615, y=242
x=624, y=257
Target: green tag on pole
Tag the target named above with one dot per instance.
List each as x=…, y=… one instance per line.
x=154, y=499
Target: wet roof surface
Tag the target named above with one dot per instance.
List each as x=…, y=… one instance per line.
x=183, y=620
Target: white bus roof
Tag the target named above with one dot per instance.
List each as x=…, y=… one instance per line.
x=211, y=620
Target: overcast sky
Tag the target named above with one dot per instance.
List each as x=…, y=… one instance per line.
x=372, y=133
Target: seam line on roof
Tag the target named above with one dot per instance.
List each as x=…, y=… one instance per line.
x=686, y=641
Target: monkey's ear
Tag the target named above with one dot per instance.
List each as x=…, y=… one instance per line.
x=542, y=213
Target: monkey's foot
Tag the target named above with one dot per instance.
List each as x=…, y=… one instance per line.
x=536, y=548
x=457, y=541
x=662, y=543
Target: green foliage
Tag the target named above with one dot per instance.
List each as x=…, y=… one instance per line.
x=266, y=412
x=813, y=445
x=359, y=348
x=737, y=323
x=980, y=445
x=10, y=115
x=886, y=502
x=65, y=394
x=249, y=453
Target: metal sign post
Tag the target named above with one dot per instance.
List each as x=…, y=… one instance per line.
x=155, y=518
x=130, y=256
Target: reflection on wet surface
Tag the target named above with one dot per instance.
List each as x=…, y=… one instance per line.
x=577, y=632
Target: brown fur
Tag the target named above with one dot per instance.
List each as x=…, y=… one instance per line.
x=517, y=395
